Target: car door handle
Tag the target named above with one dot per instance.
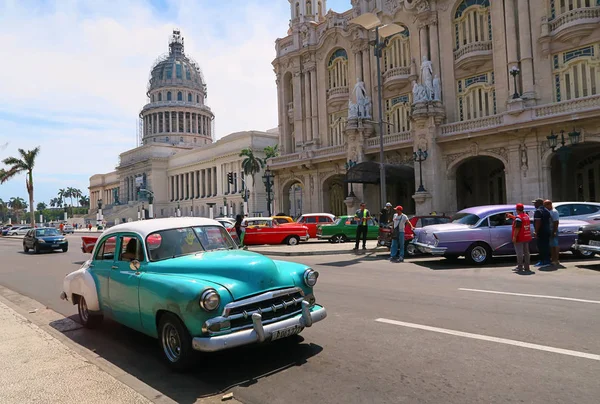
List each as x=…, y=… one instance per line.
x=114, y=267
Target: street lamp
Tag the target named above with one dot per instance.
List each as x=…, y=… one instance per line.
x=349, y=164
x=99, y=217
x=383, y=33
x=268, y=181
x=224, y=206
x=514, y=72
x=553, y=139
x=564, y=153
x=420, y=156
x=178, y=213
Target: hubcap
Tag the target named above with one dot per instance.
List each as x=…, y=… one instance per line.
x=171, y=342
x=479, y=254
x=83, y=310
x=411, y=249
x=293, y=241
x=338, y=239
x=587, y=253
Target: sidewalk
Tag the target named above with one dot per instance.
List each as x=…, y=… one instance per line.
x=35, y=367
x=317, y=248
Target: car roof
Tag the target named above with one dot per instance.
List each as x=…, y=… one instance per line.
x=318, y=214
x=258, y=218
x=491, y=209
x=146, y=227
x=579, y=203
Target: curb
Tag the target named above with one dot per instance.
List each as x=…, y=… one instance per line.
x=311, y=253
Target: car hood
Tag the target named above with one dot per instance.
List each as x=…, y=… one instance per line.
x=51, y=239
x=243, y=273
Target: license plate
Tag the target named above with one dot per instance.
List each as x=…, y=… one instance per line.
x=54, y=245
x=286, y=332
x=595, y=243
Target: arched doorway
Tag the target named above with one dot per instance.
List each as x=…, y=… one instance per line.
x=480, y=181
x=293, y=199
x=334, y=194
x=575, y=173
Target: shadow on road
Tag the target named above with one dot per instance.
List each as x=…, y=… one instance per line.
x=591, y=267
x=140, y=356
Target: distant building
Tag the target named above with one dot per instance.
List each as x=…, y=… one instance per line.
x=178, y=160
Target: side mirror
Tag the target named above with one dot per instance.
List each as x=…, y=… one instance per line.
x=134, y=265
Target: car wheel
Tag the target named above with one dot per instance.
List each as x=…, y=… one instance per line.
x=87, y=320
x=65, y=249
x=36, y=248
x=175, y=341
x=583, y=254
x=25, y=249
x=411, y=250
x=292, y=240
x=339, y=238
x=479, y=254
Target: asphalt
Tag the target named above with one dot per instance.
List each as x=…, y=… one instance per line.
x=480, y=347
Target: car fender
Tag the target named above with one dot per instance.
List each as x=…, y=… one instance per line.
x=82, y=283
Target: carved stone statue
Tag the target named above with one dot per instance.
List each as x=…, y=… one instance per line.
x=362, y=107
x=437, y=88
x=352, y=110
x=427, y=76
x=419, y=93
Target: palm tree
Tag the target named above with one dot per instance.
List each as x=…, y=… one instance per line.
x=62, y=194
x=270, y=152
x=17, y=205
x=251, y=164
x=25, y=165
x=54, y=202
x=84, y=201
x=41, y=206
x=3, y=210
x=77, y=194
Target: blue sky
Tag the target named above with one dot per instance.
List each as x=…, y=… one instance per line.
x=74, y=75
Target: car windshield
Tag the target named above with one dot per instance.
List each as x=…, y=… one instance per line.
x=174, y=243
x=465, y=218
x=46, y=232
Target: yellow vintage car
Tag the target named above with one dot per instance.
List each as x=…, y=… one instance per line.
x=283, y=219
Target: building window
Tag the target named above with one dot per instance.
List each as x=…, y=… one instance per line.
x=160, y=96
x=397, y=53
x=576, y=73
x=398, y=114
x=476, y=96
x=558, y=7
x=168, y=96
x=178, y=71
x=169, y=70
x=188, y=75
x=337, y=126
x=179, y=96
x=198, y=99
x=472, y=23
x=308, y=7
x=338, y=69
x=189, y=97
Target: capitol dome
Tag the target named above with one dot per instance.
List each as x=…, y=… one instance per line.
x=176, y=113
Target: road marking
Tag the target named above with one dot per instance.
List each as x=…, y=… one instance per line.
x=527, y=295
x=492, y=339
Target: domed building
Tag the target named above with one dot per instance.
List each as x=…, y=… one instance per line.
x=178, y=166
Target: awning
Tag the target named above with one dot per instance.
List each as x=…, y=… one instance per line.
x=368, y=173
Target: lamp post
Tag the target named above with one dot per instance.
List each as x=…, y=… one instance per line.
x=349, y=164
x=178, y=213
x=383, y=33
x=514, y=72
x=211, y=209
x=564, y=152
x=245, y=196
x=224, y=206
x=99, y=217
x=420, y=156
x=268, y=181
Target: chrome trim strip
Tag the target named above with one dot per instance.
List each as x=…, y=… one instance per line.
x=426, y=248
x=585, y=247
x=257, y=299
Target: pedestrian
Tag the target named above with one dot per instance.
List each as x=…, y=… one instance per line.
x=542, y=233
x=363, y=215
x=238, y=227
x=90, y=226
x=387, y=214
x=554, y=247
x=521, y=236
x=400, y=221
x=61, y=228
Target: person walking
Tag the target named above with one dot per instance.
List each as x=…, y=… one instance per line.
x=400, y=221
x=554, y=248
x=387, y=214
x=521, y=236
x=238, y=228
x=363, y=215
x=542, y=232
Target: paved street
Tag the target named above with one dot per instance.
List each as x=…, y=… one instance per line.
x=425, y=331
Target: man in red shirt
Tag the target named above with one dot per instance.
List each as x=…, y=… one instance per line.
x=521, y=236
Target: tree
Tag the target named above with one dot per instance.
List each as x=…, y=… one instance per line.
x=3, y=210
x=62, y=194
x=251, y=164
x=54, y=202
x=18, y=205
x=270, y=152
x=84, y=201
x=77, y=194
x=25, y=165
x=41, y=206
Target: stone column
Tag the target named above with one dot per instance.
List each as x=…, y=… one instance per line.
x=528, y=89
x=281, y=113
x=215, y=189
x=366, y=71
x=435, y=48
x=184, y=122
x=298, y=110
x=358, y=64
x=307, y=108
x=423, y=41
x=170, y=121
x=314, y=104
x=511, y=40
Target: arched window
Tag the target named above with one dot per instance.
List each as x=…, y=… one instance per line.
x=338, y=69
x=198, y=99
x=472, y=23
x=476, y=96
x=189, y=97
x=188, y=74
x=397, y=53
x=179, y=96
x=168, y=96
x=398, y=113
x=160, y=96
x=308, y=7
x=178, y=70
x=576, y=73
x=337, y=126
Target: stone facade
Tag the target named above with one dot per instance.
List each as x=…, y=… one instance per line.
x=447, y=89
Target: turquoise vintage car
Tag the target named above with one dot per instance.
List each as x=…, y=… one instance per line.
x=185, y=282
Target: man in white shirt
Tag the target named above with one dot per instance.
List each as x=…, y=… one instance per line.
x=400, y=221
x=554, y=247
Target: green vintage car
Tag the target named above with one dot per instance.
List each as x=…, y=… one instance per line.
x=344, y=229
x=185, y=282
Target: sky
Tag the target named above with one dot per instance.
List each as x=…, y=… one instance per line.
x=74, y=76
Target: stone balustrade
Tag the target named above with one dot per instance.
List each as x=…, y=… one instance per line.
x=286, y=158
x=392, y=139
x=576, y=15
x=576, y=105
x=471, y=48
x=338, y=92
x=330, y=151
x=471, y=125
x=285, y=46
x=396, y=71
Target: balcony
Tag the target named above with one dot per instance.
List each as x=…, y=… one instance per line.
x=473, y=55
x=575, y=23
x=396, y=77
x=389, y=141
x=337, y=96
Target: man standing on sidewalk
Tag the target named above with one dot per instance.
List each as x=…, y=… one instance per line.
x=400, y=221
x=542, y=232
x=363, y=216
x=554, y=248
x=521, y=236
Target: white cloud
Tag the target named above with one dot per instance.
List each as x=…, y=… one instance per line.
x=75, y=74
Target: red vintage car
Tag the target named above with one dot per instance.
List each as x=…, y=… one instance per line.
x=266, y=230
x=313, y=220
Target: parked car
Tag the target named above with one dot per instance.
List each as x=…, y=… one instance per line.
x=385, y=232
x=185, y=282
x=479, y=233
x=19, y=231
x=266, y=230
x=44, y=239
x=283, y=219
x=586, y=211
x=313, y=220
x=588, y=239
x=6, y=229
x=344, y=229
x=230, y=226
x=68, y=229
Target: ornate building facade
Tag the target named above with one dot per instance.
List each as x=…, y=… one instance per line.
x=178, y=161
x=478, y=84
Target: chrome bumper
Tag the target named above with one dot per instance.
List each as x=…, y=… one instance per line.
x=305, y=238
x=585, y=247
x=429, y=249
x=259, y=333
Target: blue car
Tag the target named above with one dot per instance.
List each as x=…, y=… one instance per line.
x=44, y=239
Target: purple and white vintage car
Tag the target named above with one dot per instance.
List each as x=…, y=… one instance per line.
x=479, y=233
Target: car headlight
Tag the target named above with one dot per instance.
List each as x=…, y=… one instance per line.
x=210, y=300
x=310, y=277
x=41, y=240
